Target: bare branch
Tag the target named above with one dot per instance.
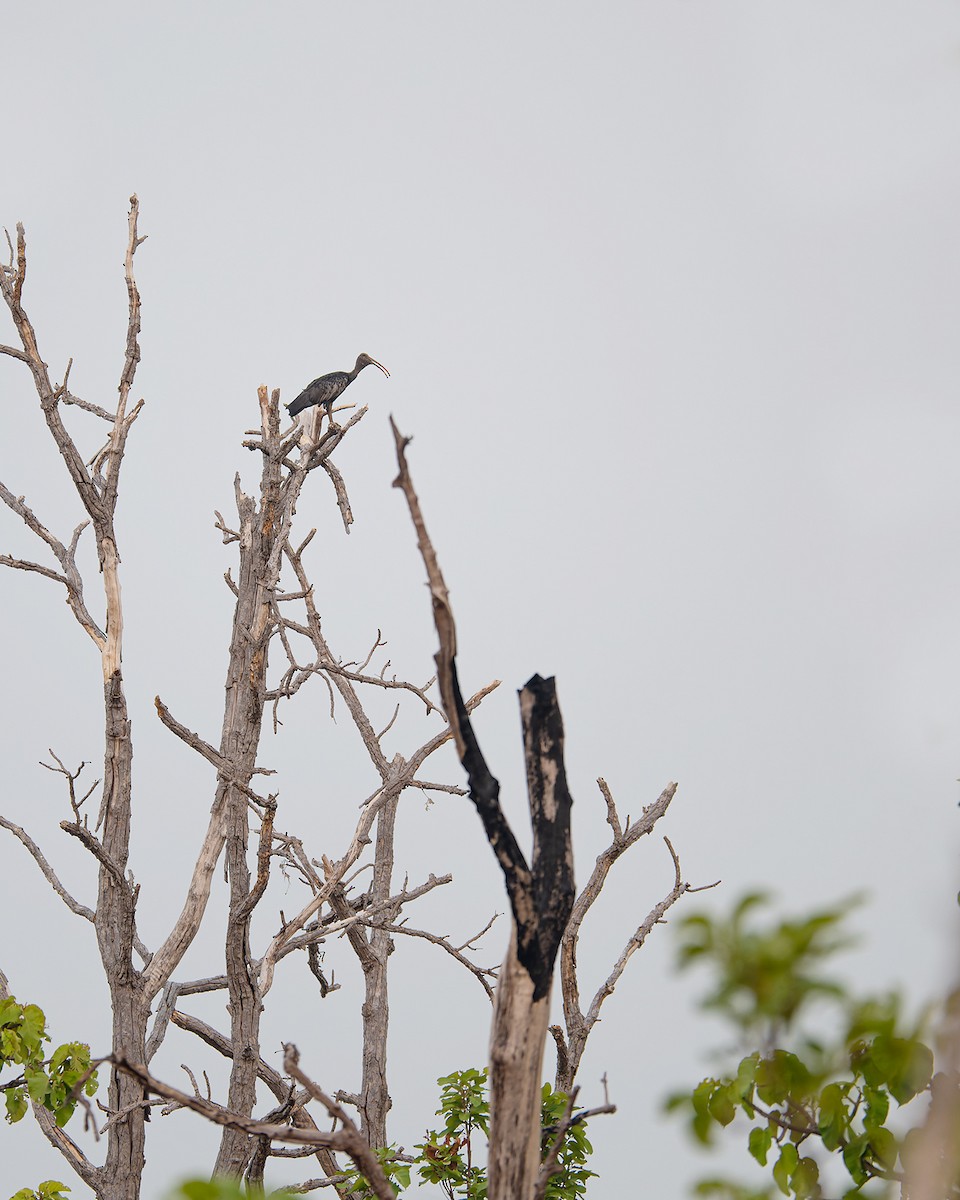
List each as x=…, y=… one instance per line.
x=347, y=1139
x=70, y=578
x=343, y=500
x=222, y=1116
x=71, y=778
x=96, y=849
x=398, y=776
x=442, y=612
x=480, y=973
x=357, y=1148
x=578, y=1025
x=205, y=750
x=21, y=564
x=49, y=874
x=95, y=409
x=229, y=535
x=263, y=862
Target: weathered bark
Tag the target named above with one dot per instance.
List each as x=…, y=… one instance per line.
x=114, y=924
x=375, y=1100
x=517, y=1039
x=263, y=531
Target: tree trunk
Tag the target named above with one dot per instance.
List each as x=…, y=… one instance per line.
x=516, y=1068
x=115, y=936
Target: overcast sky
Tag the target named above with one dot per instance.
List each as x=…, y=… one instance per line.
x=669, y=294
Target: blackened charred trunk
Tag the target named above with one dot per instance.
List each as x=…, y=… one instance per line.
x=550, y=805
x=541, y=897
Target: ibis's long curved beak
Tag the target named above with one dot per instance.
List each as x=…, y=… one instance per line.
x=381, y=366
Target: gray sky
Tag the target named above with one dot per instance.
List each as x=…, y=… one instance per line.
x=669, y=295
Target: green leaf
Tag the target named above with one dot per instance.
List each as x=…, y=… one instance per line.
x=877, y=1107
x=853, y=1154
x=805, y=1180
x=33, y=1028
x=10, y=1012
x=16, y=1102
x=785, y=1166
x=63, y=1114
x=834, y=1120
x=904, y=1065
x=37, y=1082
x=782, y=1076
x=884, y=1148
x=701, y=1096
x=722, y=1106
x=11, y=1047
x=201, y=1189
x=759, y=1143
x=747, y=1074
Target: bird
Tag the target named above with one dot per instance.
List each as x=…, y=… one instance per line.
x=328, y=387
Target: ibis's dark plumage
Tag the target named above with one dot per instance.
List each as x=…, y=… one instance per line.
x=328, y=387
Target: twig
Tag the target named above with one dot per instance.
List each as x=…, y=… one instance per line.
x=71, y=779
x=480, y=973
x=578, y=1025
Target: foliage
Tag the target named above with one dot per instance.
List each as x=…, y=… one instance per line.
x=223, y=1189
x=447, y=1156
x=394, y=1167
x=809, y=1100
x=50, y=1082
x=52, y=1189
x=570, y=1181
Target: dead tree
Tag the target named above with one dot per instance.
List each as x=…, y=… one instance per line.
x=265, y=618
x=545, y=910
x=277, y=620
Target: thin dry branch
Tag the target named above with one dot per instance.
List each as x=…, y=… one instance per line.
x=340, y=487
x=440, y=597
x=400, y=774
x=579, y=1026
x=13, y=352
x=219, y=1115
x=263, y=861
x=375, y=913
x=481, y=974
x=71, y=778
x=357, y=1148
x=95, y=846
x=214, y=757
x=23, y=564
x=348, y=1139
x=49, y=874
x=69, y=576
